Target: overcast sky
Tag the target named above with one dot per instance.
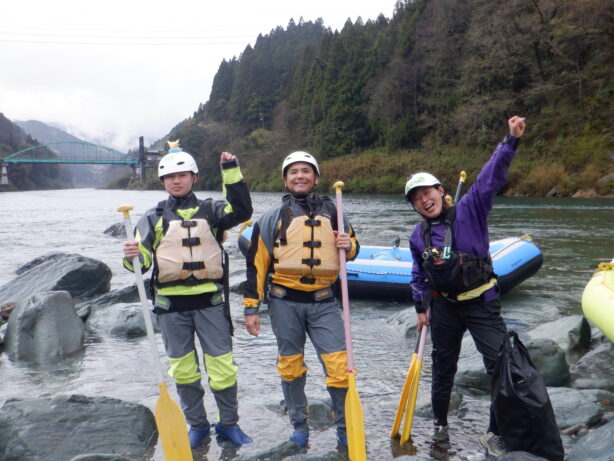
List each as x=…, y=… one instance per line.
x=115, y=70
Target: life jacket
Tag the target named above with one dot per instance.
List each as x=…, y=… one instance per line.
x=306, y=244
x=188, y=253
x=455, y=275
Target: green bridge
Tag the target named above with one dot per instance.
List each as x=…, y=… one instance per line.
x=77, y=152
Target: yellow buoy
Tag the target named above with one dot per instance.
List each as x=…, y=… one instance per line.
x=598, y=299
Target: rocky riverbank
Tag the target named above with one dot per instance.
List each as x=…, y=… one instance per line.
x=54, y=299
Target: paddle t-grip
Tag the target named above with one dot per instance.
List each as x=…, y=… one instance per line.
x=125, y=210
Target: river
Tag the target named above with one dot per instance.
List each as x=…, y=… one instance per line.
x=574, y=235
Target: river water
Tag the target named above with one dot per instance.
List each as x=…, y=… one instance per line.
x=574, y=235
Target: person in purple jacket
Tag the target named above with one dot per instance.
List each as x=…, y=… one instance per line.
x=453, y=284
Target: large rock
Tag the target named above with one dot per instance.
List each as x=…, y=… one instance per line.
x=127, y=294
x=594, y=370
x=120, y=320
x=547, y=356
x=66, y=426
x=597, y=445
x=43, y=328
x=549, y=359
x=572, y=406
x=117, y=230
x=571, y=332
x=81, y=276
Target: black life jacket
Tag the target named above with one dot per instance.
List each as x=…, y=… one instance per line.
x=451, y=272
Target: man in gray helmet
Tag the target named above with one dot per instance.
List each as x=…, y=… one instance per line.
x=182, y=239
x=297, y=243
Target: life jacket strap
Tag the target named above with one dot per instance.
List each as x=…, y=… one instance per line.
x=193, y=265
x=311, y=261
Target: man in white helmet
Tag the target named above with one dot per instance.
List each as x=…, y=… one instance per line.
x=182, y=239
x=294, y=254
x=453, y=279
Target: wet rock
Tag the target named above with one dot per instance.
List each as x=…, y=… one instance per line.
x=412, y=458
x=594, y=370
x=129, y=294
x=120, y=320
x=406, y=320
x=519, y=456
x=277, y=452
x=597, y=445
x=547, y=356
x=44, y=328
x=99, y=457
x=425, y=410
x=82, y=277
x=571, y=333
x=239, y=287
x=320, y=412
x=549, y=359
x=117, y=230
x=330, y=456
x=579, y=407
x=36, y=429
x=471, y=373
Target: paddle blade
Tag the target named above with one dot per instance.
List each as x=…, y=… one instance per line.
x=404, y=394
x=354, y=421
x=411, y=403
x=172, y=428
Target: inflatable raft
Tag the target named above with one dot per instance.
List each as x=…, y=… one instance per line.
x=385, y=272
x=381, y=271
x=598, y=299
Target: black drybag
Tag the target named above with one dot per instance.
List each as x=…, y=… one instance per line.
x=521, y=404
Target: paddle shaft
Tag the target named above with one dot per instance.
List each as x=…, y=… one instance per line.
x=138, y=275
x=344, y=283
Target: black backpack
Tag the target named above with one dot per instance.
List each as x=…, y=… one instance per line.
x=521, y=404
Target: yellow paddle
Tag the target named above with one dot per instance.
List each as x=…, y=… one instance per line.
x=413, y=388
x=404, y=394
x=354, y=418
x=169, y=417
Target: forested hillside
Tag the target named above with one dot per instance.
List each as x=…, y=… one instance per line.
x=26, y=176
x=431, y=88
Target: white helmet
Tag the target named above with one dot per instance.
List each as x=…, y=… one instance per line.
x=176, y=161
x=419, y=180
x=299, y=156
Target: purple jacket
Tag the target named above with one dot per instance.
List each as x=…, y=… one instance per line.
x=470, y=230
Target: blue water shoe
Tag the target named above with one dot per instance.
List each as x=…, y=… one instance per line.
x=234, y=434
x=300, y=438
x=342, y=437
x=197, y=435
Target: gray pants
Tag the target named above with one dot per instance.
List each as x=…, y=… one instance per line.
x=211, y=327
x=323, y=322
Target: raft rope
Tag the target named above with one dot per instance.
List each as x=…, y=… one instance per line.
x=602, y=267
x=350, y=270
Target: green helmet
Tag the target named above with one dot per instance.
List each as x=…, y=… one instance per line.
x=419, y=180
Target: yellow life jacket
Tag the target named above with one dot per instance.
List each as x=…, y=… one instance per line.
x=309, y=249
x=189, y=249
